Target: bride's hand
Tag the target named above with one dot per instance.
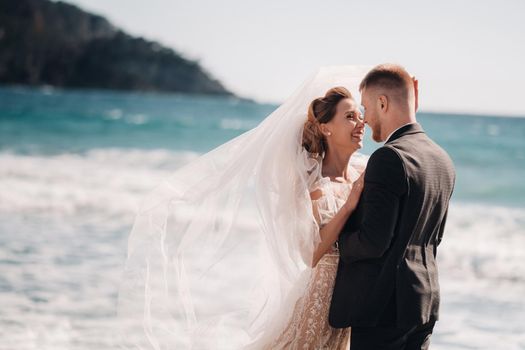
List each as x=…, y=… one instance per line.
x=355, y=193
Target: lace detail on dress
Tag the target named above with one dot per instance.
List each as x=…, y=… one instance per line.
x=308, y=328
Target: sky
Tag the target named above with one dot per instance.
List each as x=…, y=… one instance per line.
x=469, y=56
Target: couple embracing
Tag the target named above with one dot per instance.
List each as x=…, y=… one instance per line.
x=352, y=243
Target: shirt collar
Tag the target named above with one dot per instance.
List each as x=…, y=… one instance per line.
x=392, y=133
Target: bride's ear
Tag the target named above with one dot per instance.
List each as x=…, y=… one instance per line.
x=324, y=130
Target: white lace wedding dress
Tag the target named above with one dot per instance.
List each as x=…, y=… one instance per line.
x=308, y=327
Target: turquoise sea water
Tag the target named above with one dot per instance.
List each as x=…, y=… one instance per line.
x=75, y=164
x=488, y=151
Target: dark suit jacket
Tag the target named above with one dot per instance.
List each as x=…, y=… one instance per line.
x=387, y=271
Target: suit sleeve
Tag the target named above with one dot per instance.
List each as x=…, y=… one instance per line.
x=439, y=237
x=385, y=184
x=441, y=229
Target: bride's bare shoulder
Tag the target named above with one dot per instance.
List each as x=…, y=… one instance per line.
x=316, y=194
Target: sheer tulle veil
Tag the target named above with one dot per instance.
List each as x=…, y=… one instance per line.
x=219, y=252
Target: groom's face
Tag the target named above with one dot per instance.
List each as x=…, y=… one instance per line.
x=368, y=101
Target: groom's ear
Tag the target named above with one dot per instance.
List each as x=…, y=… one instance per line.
x=416, y=91
x=382, y=103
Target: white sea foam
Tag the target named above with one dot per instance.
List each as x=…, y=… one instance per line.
x=482, y=279
x=484, y=242
x=106, y=181
x=64, y=221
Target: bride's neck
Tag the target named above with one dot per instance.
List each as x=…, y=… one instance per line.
x=335, y=163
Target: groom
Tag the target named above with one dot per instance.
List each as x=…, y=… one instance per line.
x=387, y=285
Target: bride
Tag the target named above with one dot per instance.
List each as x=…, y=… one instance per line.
x=334, y=128
x=237, y=249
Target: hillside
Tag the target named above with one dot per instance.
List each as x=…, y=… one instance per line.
x=54, y=43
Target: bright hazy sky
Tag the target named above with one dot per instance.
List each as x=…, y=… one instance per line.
x=469, y=55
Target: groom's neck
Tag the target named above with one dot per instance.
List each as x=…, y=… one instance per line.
x=397, y=120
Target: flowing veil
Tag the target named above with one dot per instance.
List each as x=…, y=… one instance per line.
x=219, y=252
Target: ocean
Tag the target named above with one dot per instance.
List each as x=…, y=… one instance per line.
x=74, y=166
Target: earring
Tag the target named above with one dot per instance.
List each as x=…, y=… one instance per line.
x=329, y=133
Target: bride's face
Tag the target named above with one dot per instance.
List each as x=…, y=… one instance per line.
x=346, y=129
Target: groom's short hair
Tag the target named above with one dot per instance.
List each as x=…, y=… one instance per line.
x=389, y=77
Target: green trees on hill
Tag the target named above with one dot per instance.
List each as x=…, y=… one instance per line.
x=54, y=43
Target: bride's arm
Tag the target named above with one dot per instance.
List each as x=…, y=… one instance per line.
x=330, y=232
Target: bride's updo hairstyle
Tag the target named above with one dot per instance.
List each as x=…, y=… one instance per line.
x=321, y=110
